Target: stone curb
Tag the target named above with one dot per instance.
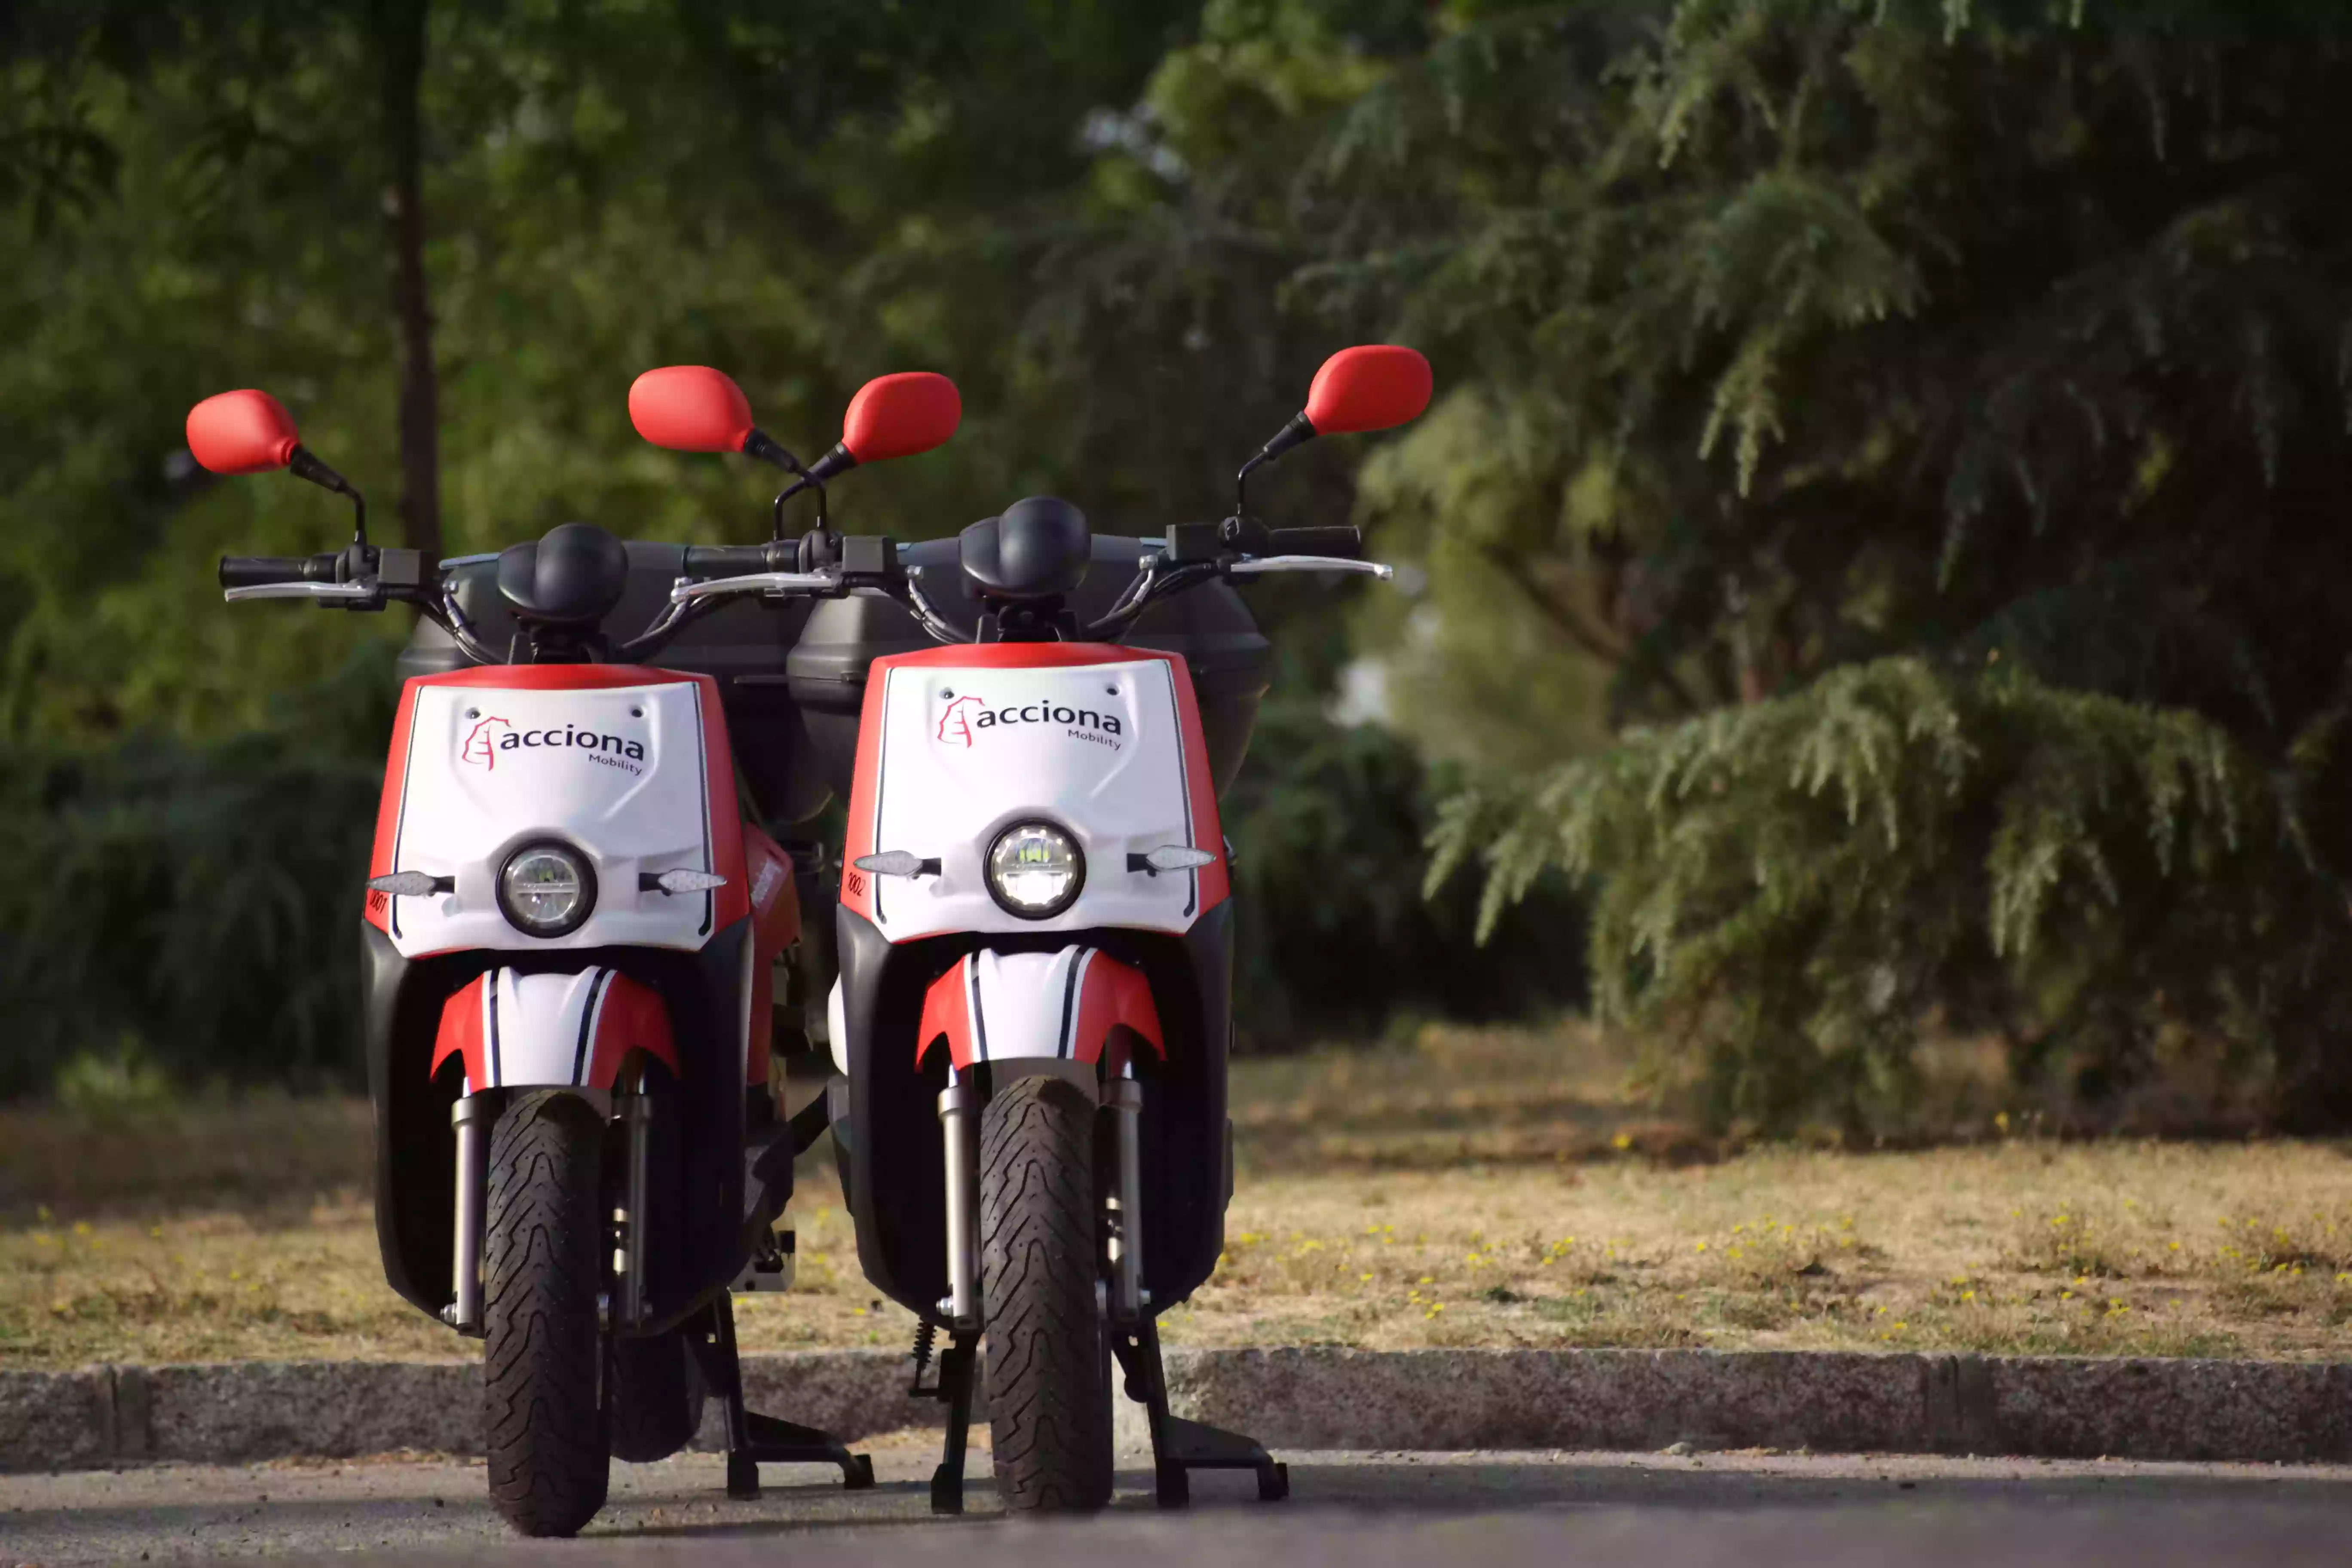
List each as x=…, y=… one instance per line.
x=2058, y=1407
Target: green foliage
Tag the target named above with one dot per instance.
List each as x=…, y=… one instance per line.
x=194, y=908
x=1789, y=893
x=1331, y=937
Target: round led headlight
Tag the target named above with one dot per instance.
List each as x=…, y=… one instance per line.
x=547, y=890
x=1035, y=869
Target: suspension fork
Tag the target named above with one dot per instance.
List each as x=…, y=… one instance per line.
x=960, y=1123
x=636, y=1117
x=1123, y=1096
x=472, y=1117
x=959, y=1109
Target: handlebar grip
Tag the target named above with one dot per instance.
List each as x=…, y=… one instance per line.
x=737, y=559
x=256, y=571
x=1343, y=542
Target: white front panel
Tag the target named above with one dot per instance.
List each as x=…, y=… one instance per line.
x=616, y=772
x=1094, y=749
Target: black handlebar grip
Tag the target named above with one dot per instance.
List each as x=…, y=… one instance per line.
x=256, y=571
x=1343, y=542
x=735, y=560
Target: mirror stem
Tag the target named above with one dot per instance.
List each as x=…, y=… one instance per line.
x=304, y=465
x=807, y=482
x=1300, y=429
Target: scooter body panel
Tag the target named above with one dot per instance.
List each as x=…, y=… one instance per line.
x=634, y=773
x=630, y=768
x=956, y=743
x=959, y=744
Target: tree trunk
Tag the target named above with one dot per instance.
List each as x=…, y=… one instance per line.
x=400, y=33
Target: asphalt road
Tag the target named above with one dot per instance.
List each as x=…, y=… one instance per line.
x=1360, y=1511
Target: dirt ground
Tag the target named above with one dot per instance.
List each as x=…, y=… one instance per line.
x=1471, y=1188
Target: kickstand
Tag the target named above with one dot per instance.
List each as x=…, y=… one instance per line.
x=956, y=1366
x=1177, y=1446
x=753, y=1439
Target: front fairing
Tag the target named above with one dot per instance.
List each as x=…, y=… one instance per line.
x=1107, y=749
x=622, y=772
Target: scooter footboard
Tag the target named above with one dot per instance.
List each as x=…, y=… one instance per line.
x=515, y=1030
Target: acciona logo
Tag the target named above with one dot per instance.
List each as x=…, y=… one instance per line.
x=967, y=718
x=494, y=739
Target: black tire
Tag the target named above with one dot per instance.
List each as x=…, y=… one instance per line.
x=1048, y=1396
x=656, y=1397
x=543, y=1351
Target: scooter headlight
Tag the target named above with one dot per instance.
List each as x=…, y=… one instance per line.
x=1035, y=869
x=547, y=890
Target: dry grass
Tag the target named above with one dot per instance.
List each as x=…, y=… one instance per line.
x=1481, y=1188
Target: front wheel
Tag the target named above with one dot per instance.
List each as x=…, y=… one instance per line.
x=543, y=1351
x=1049, y=1391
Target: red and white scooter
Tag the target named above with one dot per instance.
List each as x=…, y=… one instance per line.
x=1033, y=1010
x=570, y=934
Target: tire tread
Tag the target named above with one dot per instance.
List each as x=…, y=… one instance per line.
x=543, y=1345
x=1048, y=1401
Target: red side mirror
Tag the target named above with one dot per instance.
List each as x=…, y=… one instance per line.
x=1370, y=387
x=899, y=415
x=690, y=408
x=243, y=432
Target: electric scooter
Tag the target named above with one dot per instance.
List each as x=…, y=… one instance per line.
x=571, y=930
x=1033, y=1014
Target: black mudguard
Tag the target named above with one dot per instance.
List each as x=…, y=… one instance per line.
x=698, y=1197
x=891, y=1160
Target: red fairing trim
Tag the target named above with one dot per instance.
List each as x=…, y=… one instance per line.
x=775, y=903
x=1016, y=656
x=630, y=1017
x=733, y=901
x=775, y=926
x=461, y=1033
x=1200, y=788
x=378, y=906
x=560, y=676
x=947, y=1010
x=1208, y=829
x=857, y=886
x=1115, y=993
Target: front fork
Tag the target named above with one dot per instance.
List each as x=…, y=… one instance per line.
x=959, y=1109
x=472, y=1118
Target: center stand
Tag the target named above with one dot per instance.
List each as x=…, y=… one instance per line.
x=1178, y=1446
x=753, y=1439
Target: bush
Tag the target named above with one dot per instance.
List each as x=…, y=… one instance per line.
x=1333, y=939
x=195, y=906
x=1789, y=896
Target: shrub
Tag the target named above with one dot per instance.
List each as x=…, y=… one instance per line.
x=1788, y=895
x=194, y=905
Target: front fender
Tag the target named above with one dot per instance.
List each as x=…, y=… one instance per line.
x=515, y=1030
x=1066, y=1005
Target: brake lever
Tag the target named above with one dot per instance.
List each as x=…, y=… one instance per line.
x=1259, y=565
x=341, y=592
x=685, y=591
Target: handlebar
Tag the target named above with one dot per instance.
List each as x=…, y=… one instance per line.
x=739, y=560
x=261, y=571
x=1194, y=553
x=1343, y=542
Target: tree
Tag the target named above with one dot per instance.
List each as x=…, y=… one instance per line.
x=2013, y=340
